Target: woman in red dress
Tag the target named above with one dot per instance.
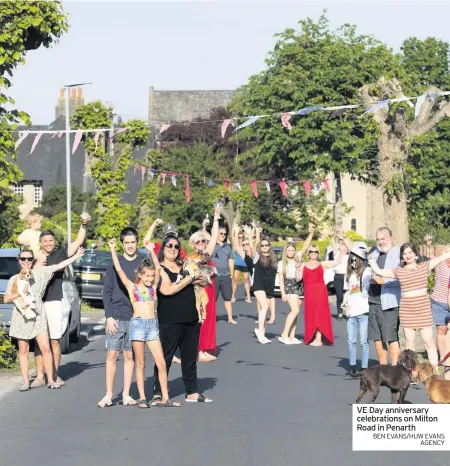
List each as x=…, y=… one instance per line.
x=318, y=328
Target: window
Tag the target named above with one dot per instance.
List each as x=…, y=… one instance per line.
x=37, y=194
x=18, y=189
x=353, y=224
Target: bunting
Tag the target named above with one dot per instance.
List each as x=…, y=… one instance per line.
x=21, y=138
x=174, y=180
x=224, y=127
x=307, y=186
x=254, y=188
x=285, y=120
x=283, y=186
x=163, y=176
x=76, y=141
x=326, y=183
x=36, y=140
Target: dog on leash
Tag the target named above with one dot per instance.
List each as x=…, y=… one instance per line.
x=438, y=390
x=397, y=378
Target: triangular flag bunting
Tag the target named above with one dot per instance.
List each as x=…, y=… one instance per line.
x=223, y=128
x=268, y=187
x=36, y=140
x=164, y=128
x=285, y=121
x=254, y=188
x=151, y=173
x=211, y=182
x=307, y=186
x=163, y=176
x=174, y=180
x=326, y=183
x=76, y=141
x=283, y=186
x=249, y=122
x=227, y=185
x=21, y=138
x=238, y=185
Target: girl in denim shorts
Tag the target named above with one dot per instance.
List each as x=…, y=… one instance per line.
x=144, y=324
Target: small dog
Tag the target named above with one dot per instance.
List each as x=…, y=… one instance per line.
x=397, y=378
x=438, y=390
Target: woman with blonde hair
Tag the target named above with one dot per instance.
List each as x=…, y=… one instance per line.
x=291, y=289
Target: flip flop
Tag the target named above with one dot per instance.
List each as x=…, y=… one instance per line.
x=200, y=399
x=143, y=404
x=24, y=388
x=54, y=386
x=37, y=383
x=168, y=404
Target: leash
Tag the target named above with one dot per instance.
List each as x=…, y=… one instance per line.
x=444, y=359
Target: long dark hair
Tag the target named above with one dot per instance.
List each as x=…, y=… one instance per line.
x=413, y=248
x=178, y=260
x=358, y=270
x=271, y=259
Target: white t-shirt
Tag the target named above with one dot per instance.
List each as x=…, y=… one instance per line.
x=358, y=301
x=290, y=269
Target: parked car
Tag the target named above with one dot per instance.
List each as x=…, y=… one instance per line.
x=90, y=272
x=71, y=302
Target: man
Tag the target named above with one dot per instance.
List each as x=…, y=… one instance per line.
x=53, y=296
x=118, y=312
x=384, y=300
x=223, y=257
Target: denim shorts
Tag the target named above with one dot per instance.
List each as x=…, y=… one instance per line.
x=441, y=313
x=144, y=329
x=121, y=340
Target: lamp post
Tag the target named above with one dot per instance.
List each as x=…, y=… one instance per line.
x=68, y=179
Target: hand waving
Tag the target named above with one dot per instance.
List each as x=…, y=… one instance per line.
x=112, y=244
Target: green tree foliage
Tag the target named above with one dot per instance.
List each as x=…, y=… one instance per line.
x=315, y=67
x=109, y=173
x=25, y=26
x=8, y=352
x=9, y=216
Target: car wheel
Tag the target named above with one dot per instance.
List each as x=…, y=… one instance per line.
x=75, y=335
x=65, y=341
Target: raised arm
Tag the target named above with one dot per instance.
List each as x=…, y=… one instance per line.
x=122, y=275
x=148, y=237
x=307, y=242
x=387, y=273
x=81, y=237
x=433, y=263
x=151, y=249
x=335, y=263
x=214, y=233
x=22, y=239
x=62, y=265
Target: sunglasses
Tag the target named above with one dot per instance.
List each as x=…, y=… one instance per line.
x=352, y=259
x=26, y=259
x=265, y=245
x=200, y=241
x=313, y=252
x=172, y=246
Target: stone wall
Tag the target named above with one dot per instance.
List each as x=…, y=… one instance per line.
x=170, y=106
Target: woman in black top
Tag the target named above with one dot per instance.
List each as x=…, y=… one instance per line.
x=178, y=319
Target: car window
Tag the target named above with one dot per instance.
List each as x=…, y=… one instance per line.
x=278, y=253
x=8, y=267
x=94, y=259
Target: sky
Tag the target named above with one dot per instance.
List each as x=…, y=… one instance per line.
x=124, y=47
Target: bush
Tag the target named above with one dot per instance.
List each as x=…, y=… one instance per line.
x=8, y=353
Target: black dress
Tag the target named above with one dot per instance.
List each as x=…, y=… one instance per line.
x=263, y=278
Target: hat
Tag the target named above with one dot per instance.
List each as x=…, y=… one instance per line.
x=359, y=252
x=170, y=230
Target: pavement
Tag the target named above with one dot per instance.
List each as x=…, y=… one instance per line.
x=273, y=405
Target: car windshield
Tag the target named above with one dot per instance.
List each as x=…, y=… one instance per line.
x=94, y=259
x=8, y=267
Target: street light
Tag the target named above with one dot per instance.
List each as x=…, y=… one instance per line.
x=68, y=179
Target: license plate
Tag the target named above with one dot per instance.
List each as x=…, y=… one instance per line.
x=90, y=276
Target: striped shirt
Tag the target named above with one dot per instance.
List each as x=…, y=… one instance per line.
x=441, y=283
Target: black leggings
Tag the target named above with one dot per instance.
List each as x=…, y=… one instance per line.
x=184, y=336
x=339, y=279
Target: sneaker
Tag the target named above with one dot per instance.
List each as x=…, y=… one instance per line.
x=296, y=341
x=286, y=341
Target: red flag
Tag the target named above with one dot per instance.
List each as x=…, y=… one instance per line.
x=36, y=140
x=283, y=186
x=254, y=188
x=76, y=141
x=224, y=127
x=227, y=185
x=285, y=121
x=326, y=183
x=307, y=185
x=187, y=191
x=163, y=176
x=163, y=128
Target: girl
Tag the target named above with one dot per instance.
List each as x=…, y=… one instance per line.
x=28, y=320
x=30, y=237
x=240, y=267
x=415, y=306
x=291, y=289
x=144, y=324
x=317, y=307
x=357, y=308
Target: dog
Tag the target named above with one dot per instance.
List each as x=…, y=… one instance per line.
x=438, y=390
x=397, y=378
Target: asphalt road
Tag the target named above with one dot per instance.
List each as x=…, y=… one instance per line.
x=273, y=405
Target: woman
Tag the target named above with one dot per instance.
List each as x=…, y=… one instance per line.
x=415, y=306
x=28, y=320
x=318, y=328
x=207, y=342
x=240, y=267
x=356, y=305
x=291, y=289
x=439, y=304
x=264, y=264
x=178, y=319
x=340, y=272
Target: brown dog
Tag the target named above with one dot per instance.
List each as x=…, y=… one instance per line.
x=438, y=390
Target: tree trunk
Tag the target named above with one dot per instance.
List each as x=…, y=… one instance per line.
x=392, y=155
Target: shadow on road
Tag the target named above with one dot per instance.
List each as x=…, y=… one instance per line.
x=73, y=368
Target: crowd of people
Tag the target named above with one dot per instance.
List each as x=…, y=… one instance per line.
x=167, y=301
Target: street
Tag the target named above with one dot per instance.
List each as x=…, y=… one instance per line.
x=273, y=405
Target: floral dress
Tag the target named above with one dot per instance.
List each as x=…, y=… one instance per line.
x=21, y=326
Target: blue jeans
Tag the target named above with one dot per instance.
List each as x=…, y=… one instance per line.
x=353, y=324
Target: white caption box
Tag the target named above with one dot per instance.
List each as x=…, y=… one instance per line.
x=384, y=427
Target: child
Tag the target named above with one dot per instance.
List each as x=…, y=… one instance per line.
x=144, y=325
x=30, y=237
x=356, y=305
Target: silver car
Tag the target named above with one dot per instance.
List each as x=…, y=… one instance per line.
x=71, y=302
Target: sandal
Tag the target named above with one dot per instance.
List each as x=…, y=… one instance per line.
x=60, y=381
x=156, y=399
x=37, y=383
x=128, y=401
x=54, y=386
x=200, y=399
x=143, y=404
x=24, y=388
x=168, y=404
x=105, y=402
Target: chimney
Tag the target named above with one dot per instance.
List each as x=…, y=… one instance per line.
x=80, y=93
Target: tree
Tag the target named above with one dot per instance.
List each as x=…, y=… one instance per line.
x=9, y=216
x=109, y=173
x=24, y=26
